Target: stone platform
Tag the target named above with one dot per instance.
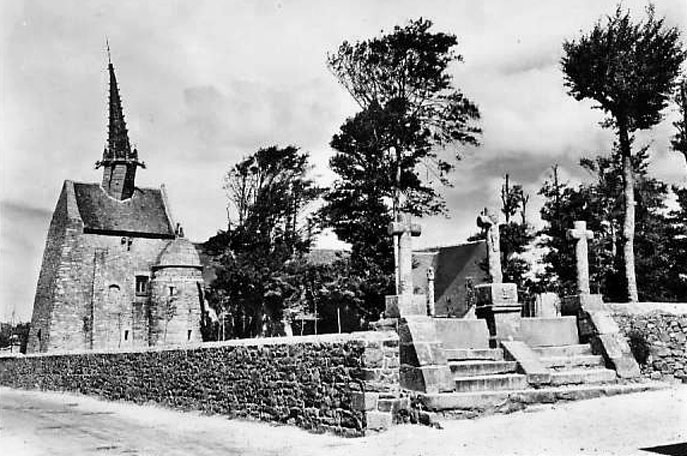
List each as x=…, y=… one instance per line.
x=494, y=401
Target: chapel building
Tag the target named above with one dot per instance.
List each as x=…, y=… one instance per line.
x=116, y=272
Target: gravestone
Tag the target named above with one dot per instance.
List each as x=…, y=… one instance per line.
x=547, y=305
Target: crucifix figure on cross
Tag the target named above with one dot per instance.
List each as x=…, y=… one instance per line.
x=581, y=234
x=405, y=230
x=489, y=222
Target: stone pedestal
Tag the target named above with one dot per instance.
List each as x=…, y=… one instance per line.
x=424, y=366
x=497, y=303
x=597, y=327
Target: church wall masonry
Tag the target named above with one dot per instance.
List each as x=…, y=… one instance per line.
x=116, y=272
x=342, y=383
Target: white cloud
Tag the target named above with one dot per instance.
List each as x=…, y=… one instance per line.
x=204, y=83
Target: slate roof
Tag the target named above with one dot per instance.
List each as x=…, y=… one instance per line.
x=179, y=252
x=144, y=214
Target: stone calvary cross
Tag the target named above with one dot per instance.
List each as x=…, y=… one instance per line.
x=489, y=222
x=405, y=230
x=581, y=234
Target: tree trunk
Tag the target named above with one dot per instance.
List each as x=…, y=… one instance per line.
x=629, y=222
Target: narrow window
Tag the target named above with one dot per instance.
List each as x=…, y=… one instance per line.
x=188, y=336
x=172, y=291
x=39, y=335
x=142, y=285
x=126, y=334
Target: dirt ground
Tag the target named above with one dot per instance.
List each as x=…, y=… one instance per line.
x=37, y=423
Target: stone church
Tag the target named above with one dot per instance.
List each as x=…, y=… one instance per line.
x=117, y=272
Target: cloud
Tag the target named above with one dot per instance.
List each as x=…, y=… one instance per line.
x=205, y=83
x=22, y=237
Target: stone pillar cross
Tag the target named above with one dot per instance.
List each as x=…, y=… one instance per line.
x=490, y=222
x=405, y=230
x=581, y=234
x=430, y=291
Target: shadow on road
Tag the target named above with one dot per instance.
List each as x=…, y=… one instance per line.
x=674, y=449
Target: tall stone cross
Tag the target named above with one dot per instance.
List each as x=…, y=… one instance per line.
x=581, y=234
x=490, y=222
x=405, y=230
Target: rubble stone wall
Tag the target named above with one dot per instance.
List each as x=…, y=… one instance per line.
x=664, y=327
x=343, y=383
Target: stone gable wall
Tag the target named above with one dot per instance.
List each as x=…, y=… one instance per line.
x=80, y=273
x=664, y=327
x=343, y=383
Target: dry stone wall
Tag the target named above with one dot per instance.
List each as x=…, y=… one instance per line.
x=340, y=383
x=664, y=327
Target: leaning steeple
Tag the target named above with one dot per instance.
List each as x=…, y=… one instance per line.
x=119, y=160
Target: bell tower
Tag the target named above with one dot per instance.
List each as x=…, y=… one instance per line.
x=119, y=161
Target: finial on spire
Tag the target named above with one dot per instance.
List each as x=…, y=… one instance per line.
x=107, y=45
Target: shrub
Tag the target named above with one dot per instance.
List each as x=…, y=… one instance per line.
x=639, y=345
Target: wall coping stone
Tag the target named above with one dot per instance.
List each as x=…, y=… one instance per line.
x=641, y=308
x=361, y=336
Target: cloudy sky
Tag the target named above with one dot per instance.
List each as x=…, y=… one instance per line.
x=207, y=82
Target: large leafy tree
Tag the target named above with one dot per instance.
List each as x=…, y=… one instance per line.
x=268, y=194
x=600, y=204
x=679, y=141
x=389, y=156
x=629, y=69
x=405, y=73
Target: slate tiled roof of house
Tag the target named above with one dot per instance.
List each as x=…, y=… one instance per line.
x=179, y=252
x=143, y=214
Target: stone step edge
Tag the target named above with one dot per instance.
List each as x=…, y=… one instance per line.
x=581, y=376
x=482, y=400
x=473, y=368
x=473, y=354
x=478, y=378
x=480, y=362
x=572, y=361
x=581, y=349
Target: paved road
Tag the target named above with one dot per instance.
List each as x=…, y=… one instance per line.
x=34, y=423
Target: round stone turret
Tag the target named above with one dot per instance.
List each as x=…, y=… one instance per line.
x=179, y=253
x=176, y=295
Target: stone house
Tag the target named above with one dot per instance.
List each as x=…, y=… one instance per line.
x=116, y=272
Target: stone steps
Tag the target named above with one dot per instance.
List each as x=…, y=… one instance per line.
x=475, y=368
x=465, y=354
x=583, y=376
x=558, y=362
x=486, y=400
x=563, y=351
x=497, y=382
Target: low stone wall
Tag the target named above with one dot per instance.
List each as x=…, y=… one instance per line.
x=344, y=383
x=664, y=327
